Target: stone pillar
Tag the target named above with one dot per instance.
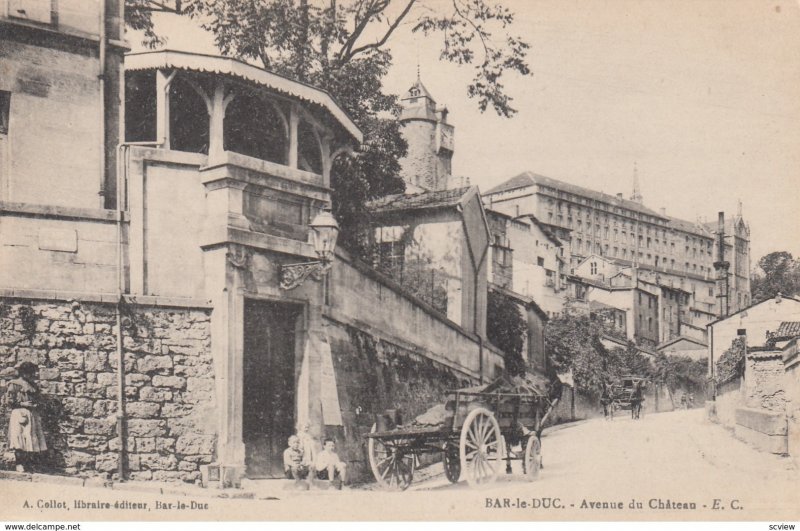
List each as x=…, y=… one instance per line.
x=224, y=201
x=227, y=322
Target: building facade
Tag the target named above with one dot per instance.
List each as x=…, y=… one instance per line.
x=167, y=286
x=626, y=231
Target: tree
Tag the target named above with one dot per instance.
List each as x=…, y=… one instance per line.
x=572, y=341
x=781, y=274
x=506, y=329
x=342, y=46
x=311, y=39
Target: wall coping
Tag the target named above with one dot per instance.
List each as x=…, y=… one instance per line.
x=106, y=298
x=761, y=420
x=265, y=167
x=396, y=287
x=59, y=212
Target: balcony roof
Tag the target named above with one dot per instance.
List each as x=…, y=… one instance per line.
x=163, y=59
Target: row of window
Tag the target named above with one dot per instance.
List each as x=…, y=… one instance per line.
x=593, y=205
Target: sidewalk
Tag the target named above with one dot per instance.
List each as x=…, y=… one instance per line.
x=260, y=489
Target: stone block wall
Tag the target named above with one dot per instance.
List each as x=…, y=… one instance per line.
x=764, y=382
x=169, y=383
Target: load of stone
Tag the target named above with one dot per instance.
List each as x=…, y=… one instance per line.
x=528, y=385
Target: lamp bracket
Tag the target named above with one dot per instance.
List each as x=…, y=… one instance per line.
x=293, y=275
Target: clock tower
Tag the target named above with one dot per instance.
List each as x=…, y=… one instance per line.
x=428, y=164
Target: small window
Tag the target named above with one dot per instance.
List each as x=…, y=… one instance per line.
x=5, y=111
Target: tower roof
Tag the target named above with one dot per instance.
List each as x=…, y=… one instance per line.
x=418, y=90
x=418, y=104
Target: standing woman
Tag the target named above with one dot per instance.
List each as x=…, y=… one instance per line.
x=25, y=435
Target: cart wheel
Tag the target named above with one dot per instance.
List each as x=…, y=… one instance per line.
x=452, y=463
x=480, y=447
x=392, y=465
x=533, y=458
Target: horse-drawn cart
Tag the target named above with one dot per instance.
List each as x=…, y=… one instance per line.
x=474, y=432
x=627, y=393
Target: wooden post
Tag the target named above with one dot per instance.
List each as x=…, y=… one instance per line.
x=572, y=405
x=163, y=82
x=294, y=121
x=216, y=146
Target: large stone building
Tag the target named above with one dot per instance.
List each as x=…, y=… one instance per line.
x=179, y=291
x=681, y=254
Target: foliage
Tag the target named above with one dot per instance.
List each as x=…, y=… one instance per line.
x=304, y=39
x=27, y=316
x=138, y=17
x=342, y=46
x=572, y=341
x=679, y=372
x=506, y=329
x=780, y=273
x=731, y=364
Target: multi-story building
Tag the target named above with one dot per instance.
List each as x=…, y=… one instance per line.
x=680, y=252
x=527, y=259
x=167, y=261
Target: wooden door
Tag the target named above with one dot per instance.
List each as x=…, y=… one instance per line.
x=269, y=385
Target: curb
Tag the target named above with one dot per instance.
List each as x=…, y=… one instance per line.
x=124, y=486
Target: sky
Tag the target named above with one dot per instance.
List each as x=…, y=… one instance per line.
x=703, y=96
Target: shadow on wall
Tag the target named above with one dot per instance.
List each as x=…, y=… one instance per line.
x=373, y=376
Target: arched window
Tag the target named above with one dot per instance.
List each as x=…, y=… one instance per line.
x=309, y=153
x=254, y=128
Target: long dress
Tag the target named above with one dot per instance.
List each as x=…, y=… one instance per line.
x=24, y=425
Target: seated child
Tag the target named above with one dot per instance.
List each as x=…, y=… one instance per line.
x=294, y=462
x=328, y=465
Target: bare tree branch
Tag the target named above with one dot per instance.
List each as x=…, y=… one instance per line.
x=393, y=26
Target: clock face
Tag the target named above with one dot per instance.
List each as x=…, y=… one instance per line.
x=446, y=138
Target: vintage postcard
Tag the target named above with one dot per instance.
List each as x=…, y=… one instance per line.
x=392, y=260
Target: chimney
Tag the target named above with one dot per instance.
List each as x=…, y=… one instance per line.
x=663, y=211
x=619, y=196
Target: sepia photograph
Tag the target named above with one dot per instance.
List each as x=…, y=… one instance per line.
x=399, y=260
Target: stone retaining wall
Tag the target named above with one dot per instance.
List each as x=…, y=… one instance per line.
x=374, y=375
x=169, y=383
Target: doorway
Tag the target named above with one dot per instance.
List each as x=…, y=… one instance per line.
x=270, y=337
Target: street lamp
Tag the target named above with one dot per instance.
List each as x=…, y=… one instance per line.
x=324, y=231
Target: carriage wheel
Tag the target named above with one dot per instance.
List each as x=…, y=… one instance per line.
x=533, y=458
x=481, y=447
x=392, y=465
x=452, y=463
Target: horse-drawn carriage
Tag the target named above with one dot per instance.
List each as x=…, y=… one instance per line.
x=626, y=393
x=474, y=432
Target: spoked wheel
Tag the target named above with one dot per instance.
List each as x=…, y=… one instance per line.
x=481, y=447
x=533, y=458
x=392, y=465
x=452, y=463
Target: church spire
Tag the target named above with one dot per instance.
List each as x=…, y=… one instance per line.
x=637, y=191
